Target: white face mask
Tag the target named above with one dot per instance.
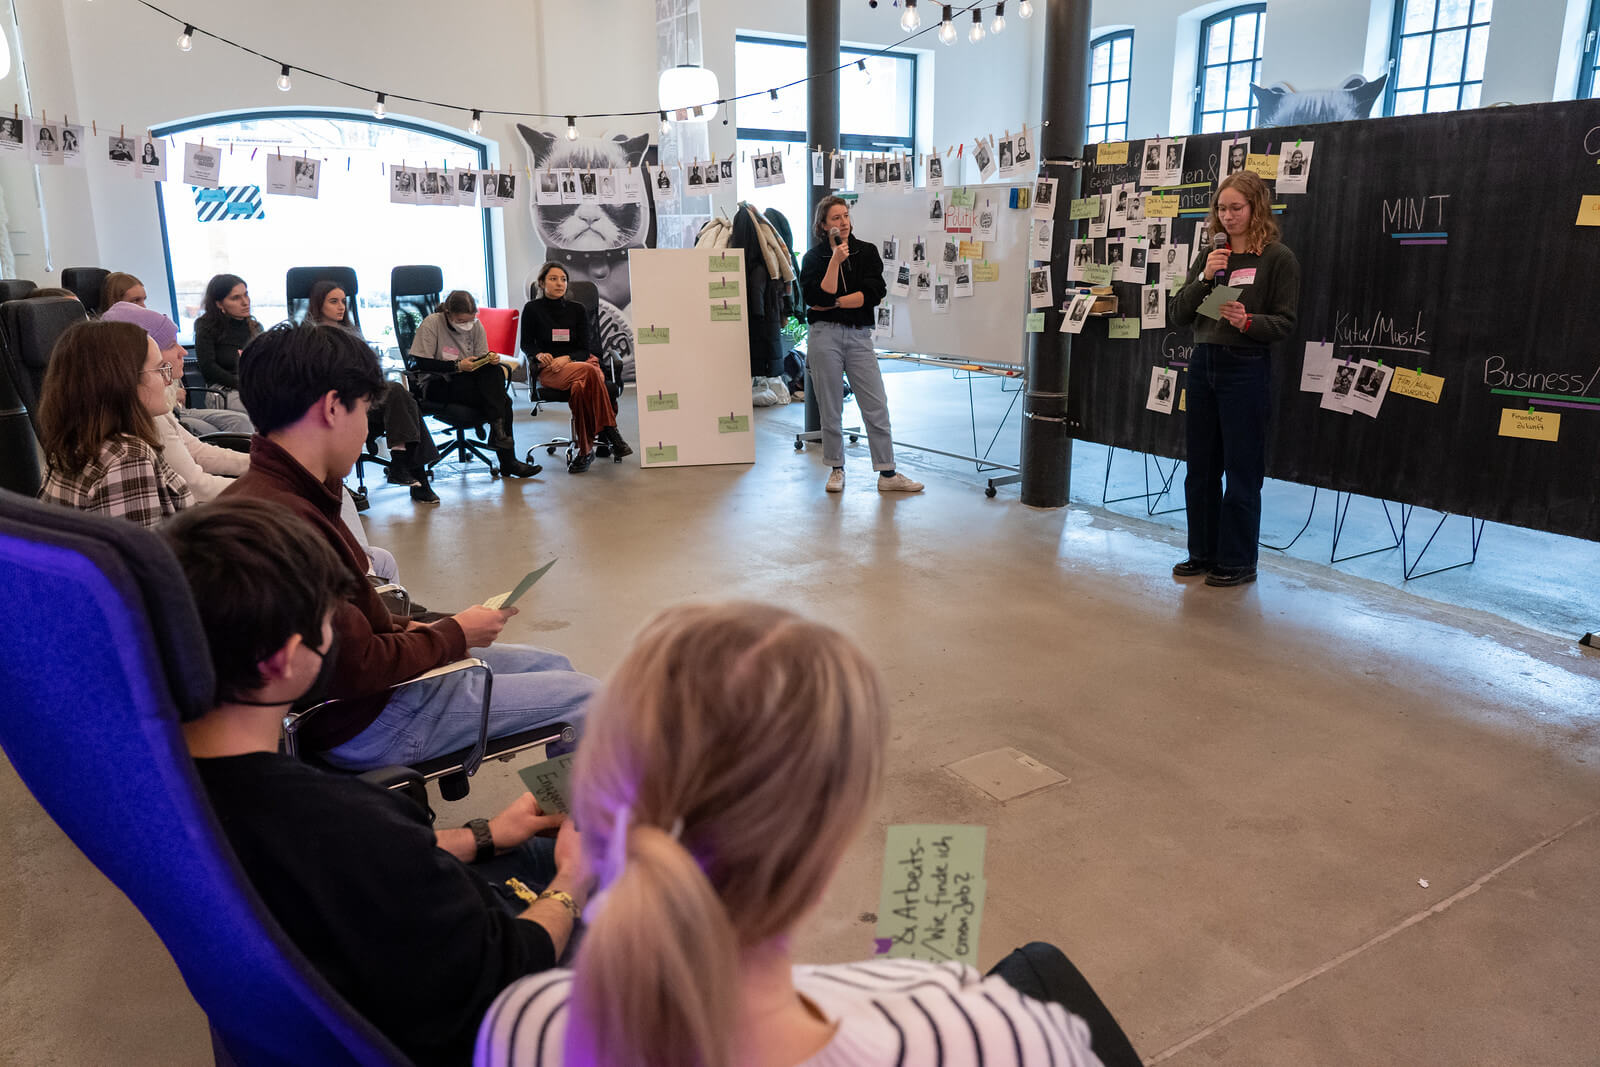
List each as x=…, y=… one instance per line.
x=463, y=328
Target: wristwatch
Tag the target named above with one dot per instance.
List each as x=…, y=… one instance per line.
x=483, y=839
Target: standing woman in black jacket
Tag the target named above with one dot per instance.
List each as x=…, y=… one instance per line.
x=842, y=279
x=1230, y=378
x=222, y=331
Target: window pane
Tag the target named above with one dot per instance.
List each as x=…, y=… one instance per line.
x=1482, y=12
x=1476, y=50
x=1444, y=99
x=1217, y=43
x=1419, y=16
x=1453, y=13
x=1237, y=120
x=1119, y=132
x=1244, y=37
x=1119, y=102
x=882, y=106
x=1449, y=51
x=1216, y=86
x=1414, y=61
x=1123, y=56
x=758, y=66
x=1470, y=93
x=1100, y=67
x=1211, y=123
x=1239, y=86
x=1408, y=103
x=1097, y=104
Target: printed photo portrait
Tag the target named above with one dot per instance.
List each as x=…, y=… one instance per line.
x=550, y=183
x=880, y=171
x=1238, y=151
x=1039, y=281
x=777, y=166
x=305, y=175
x=1007, y=154
x=697, y=173
x=11, y=134
x=507, y=186
x=151, y=156
x=894, y=172
x=588, y=186
x=838, y=169
x=935, y=168
x=1023, y=155
x=981, y=156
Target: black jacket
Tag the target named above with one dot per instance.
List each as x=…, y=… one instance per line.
x=862, y=273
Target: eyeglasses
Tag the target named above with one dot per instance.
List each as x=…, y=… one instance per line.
x=162, y=369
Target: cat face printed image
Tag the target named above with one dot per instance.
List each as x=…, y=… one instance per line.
x=1281, y=106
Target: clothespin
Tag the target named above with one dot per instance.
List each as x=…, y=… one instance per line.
x=44, y=117
x=94, y=127
x=253, y=152
x=280, y=152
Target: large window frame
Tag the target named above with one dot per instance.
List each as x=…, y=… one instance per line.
x=1113, y=86
x=477, y=145
x=849, y=142
x=1589, y=78
x=1463, y=89
x=1230, y=68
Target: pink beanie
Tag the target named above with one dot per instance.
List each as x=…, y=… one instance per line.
x=152, y=322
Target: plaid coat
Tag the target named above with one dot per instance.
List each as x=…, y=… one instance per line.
x=129, y=478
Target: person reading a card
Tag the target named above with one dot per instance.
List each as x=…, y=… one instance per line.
x=555, y=335
x=1230, y=376
x=731, y=760
x=417, y=927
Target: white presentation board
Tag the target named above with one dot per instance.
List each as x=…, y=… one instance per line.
x=692, y=356
x=985, y=327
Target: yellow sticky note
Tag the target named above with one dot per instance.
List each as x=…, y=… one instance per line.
x=1265, y=167
x=1589, y=211
x=971, y=250
x=1415, y=384
x=1530, y=425
x=1183, y=399
x=1161, y=207
x=985, y=271
x=1112, y=154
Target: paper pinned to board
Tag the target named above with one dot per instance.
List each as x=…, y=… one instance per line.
x=508, y=600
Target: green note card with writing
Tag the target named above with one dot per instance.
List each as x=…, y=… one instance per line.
x=1211, y=306
x=652, y=335
x=661, y=402
x=550, y=783
x=1098, y=273
x=1035, y=322
x=725, y=313
x=661, y=454
x=1124, y=329
x=723, y=289
x=733, y=424
x=931, y=904
x=1087, y=208
x=724, y=263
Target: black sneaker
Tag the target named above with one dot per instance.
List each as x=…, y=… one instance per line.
x=512, y=467
x=580, y=463
x=423, y=493
x=1231, y=575
x=399, y=473
x=1190, y=568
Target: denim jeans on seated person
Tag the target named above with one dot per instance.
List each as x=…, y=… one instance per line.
x=532, y=687
x=1229, y=401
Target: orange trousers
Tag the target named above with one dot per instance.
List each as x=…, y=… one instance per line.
x=590, y=403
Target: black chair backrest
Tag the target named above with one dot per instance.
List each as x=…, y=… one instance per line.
x=414, y=293
x=15, y=288
x=87, y=282
x=19, y=448
x=588, y=294
x=298, y=283
x=31, y=328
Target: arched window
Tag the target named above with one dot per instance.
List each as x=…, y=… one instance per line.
x=1437, y=52
x=1589, y=79
x=1110, y=79
x=238, y=230
x=1230, y=59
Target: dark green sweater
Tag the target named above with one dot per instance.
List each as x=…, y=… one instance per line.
x=1273, y=298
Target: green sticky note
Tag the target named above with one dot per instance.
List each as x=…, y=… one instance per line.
x=1124, y=329
x=723, y=289
x=652, y=335
x=1177, y=283
x=508, y=600
x=725, y=313
x=724, y=263
x=1035, y=322
x=661, y=402
x=733, y=423
x=931, y=904
x=550, y=783
x=1211, y=306
x=963, y=197
x=661, y=454
x=1098, y=273
x=1087, y=208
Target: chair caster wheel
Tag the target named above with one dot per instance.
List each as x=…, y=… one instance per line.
x=854, y=438
x=494, y=472
x=989, y=492
x=362, y=502
x=550, y=451
x=799, y=446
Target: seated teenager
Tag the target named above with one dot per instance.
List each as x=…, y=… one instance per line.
x=104, y=389
x=451, y=353
x=417, y=928
x=198, y=421
x=224, y=327
x=728, y=763
x=308, y=389
x=555, y=334
x=120, y=286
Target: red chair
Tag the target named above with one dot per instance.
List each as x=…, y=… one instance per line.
x=501, y=325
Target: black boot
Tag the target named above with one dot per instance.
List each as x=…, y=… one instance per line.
x=400, y=471
x=580, y=463
x=619, y=448
x=512, y=467
x=422, y=492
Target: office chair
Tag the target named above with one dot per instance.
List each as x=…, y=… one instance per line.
x=15, y=289
x=587, y=295
x=87, y=283
x=29, y=330
x=19, y=448
x=297, y=290
x=113, y=637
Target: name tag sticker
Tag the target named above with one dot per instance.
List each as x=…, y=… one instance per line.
x=1243, y=276
x=561, y=335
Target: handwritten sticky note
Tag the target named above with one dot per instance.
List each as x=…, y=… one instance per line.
x=1530, y=425
x=725, y=313
x=985, y=271
x=723, y=289
x=963, y=197
x=1123, y=329
x=661, y=454
x=655, y=335
x=1087, y=208
x=1415, y=384
x=661, y=402
x=733, y=423
x=1211, y=306
x=507, y=600
x=1162, y=207
x=931, y=904
x=1112, y=154
x=1098, y=273
x=1589, y=211
x=1035, y=322
x=970, y=250
x=724, y=263
x=550, y=783
x=1264, y=167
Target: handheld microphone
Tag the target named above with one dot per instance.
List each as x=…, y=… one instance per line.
x=835, y=236
x=1219, y=241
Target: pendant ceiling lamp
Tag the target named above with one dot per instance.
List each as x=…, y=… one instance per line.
x=686, y=86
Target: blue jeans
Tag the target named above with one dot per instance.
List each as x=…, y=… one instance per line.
x=1230, y=397
x=832, y=352
x=532, y=687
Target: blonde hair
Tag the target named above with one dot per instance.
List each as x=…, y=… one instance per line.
x=724, y=768
x=1263, y=228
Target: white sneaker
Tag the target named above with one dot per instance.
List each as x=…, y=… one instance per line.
x=835, y=480
x=898, y=483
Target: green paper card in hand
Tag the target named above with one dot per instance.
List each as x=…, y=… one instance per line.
x=550, y=783
x=931, y=904
x=1211, y=306
x=507, y=600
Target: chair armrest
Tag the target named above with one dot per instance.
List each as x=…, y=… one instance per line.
x=189, y=392
x=402, y=780
x=233, y=442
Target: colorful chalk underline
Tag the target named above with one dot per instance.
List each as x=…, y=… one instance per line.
x=1414, y=236
x=1567, y=399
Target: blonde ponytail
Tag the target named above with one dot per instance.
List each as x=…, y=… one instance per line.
x=657, y=974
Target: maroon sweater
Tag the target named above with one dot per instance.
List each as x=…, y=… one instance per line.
x=376, y=650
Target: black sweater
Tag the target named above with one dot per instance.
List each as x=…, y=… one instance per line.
x=1272, y=298
x=217, y=345
x=542, y=317
x=402, y=929
x=861, y=273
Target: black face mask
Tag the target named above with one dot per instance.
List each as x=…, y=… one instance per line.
x=319, y=685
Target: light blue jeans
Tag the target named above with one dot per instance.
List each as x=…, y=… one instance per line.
x=532, y=686
x=832, y=352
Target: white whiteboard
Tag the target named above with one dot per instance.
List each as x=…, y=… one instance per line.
x=985, y=327
x=704, y=364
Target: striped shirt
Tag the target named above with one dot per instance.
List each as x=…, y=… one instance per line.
x=128, y=479
x=887, y=1013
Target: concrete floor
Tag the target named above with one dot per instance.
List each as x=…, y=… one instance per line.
x=1256, y=778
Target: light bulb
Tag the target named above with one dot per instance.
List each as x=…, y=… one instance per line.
x=910, y=20
x=284, y=85
x=378, y=110
x=1025, y=9
x=477, y=122
x=947, y=26
x=976, y=33
x=666, y=127
x=999, y=22
x=186, y=39
x=572, y=128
